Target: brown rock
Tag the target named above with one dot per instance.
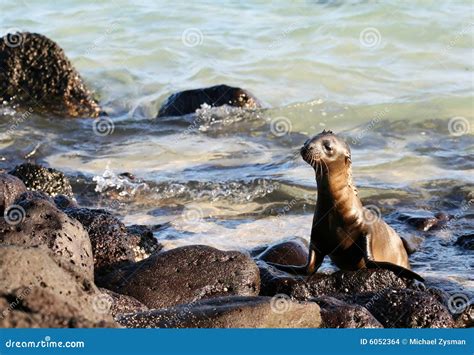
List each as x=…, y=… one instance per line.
x=230, y=312
x=184, y=275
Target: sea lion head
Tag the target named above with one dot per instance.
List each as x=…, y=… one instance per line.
x=326, y=152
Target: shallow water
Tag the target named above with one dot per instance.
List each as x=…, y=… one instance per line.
x=395, y=79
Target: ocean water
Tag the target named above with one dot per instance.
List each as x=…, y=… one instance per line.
x=394, y=78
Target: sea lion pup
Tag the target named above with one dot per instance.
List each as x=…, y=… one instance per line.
x=351, y=235
x=36, y=75
x=186, y=102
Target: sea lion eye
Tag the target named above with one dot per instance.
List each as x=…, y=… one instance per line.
x=327, y=146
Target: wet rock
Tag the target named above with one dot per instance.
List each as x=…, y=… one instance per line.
x=66, y=294
x=34, y=195
x=10, y=189
x=465, y=242
x=344, y=284
x=121, y=304
x=339, y=314
x=38, y=223
x=143, y=241
x=184, y=275
x=186, y=102
x=274, y=281
x=111, y=244
x=63, y=202
x=424, y=222
x=36, y=75
x=35, y=307
x=290, y=252
x=230, y=312
x=407, y=308
x=48, y=180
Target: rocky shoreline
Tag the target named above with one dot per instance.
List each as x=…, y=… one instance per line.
x=69, y=266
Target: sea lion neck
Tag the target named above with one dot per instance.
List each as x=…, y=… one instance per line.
x=336, y=191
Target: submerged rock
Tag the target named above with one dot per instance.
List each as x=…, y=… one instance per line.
x=36, y=75
x=230, y=312
x=40, y=224
x=10, y=189
x=465, y=241
x=186, y=102
x=184, y=275
x=41, y=292
x=48, y=180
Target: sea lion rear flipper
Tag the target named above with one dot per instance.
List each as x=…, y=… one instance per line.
x=397, y=269
x=307, y=269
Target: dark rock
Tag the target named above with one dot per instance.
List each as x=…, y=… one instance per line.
x=40, y=224
x=63, y=202
x=186, y=102
x=66, y=294
x=34, y=195
x=424, y=222
x=465, y=241
x=407, y=308
x=230, y=312
x=48, y=180
x=35, y=307
x=290, y=252
x=339, y=314
x=121, y=304
x=143, y=241
x=274, y=281
x=10, y=189
x=36, y=74
x=184, y=275
x=111, y=245
x=344, y=284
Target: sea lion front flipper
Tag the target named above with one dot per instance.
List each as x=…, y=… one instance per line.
x=397, y=269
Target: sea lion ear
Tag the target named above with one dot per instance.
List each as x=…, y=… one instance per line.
x=348, y=157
